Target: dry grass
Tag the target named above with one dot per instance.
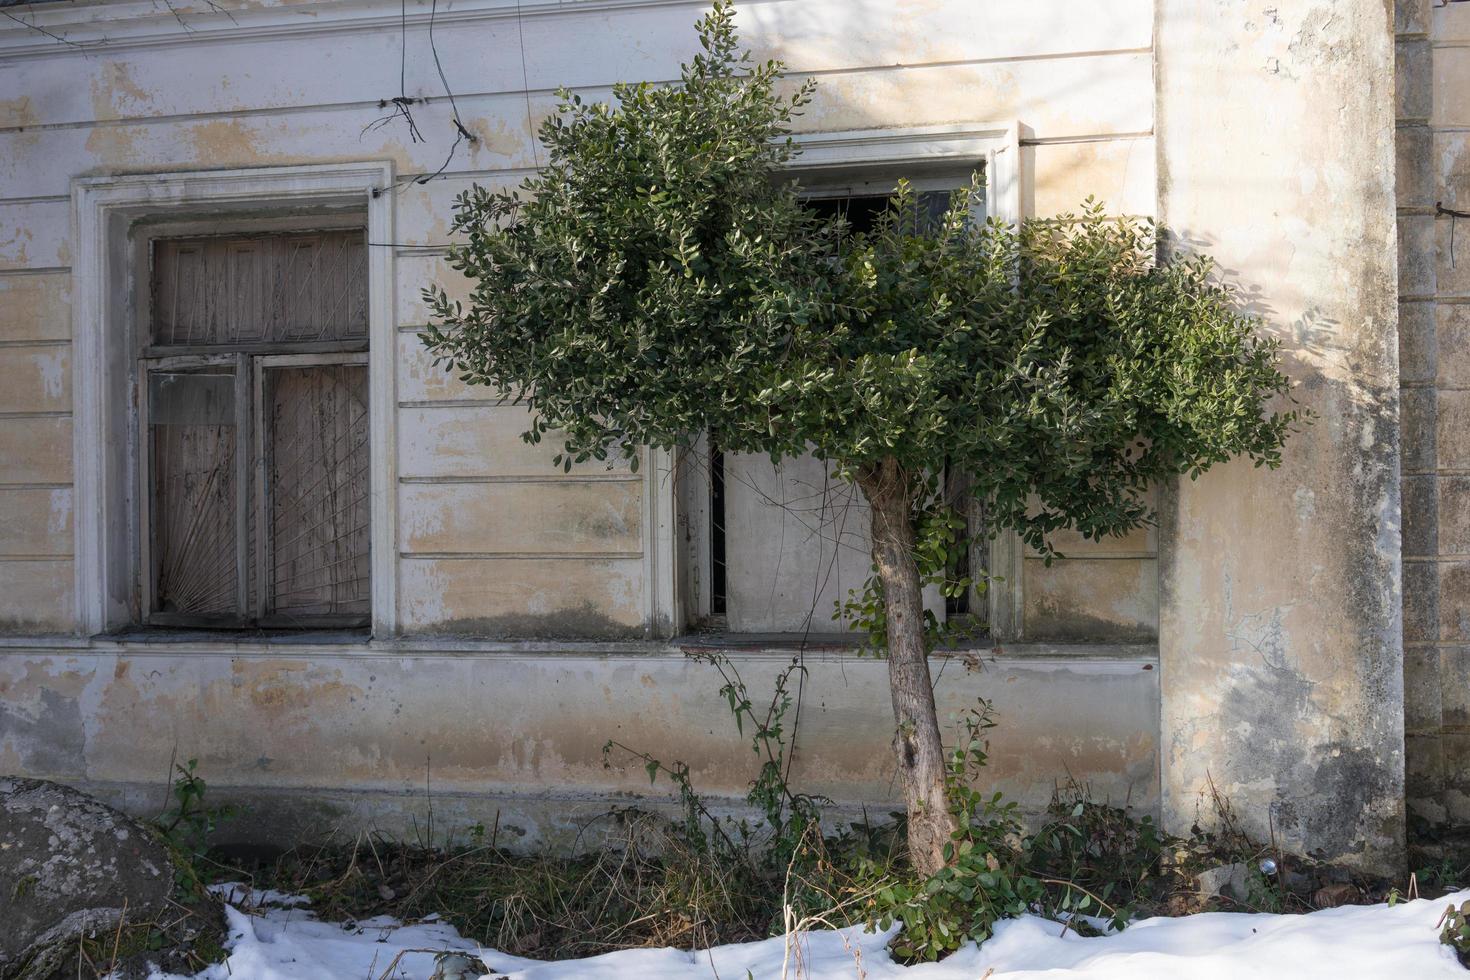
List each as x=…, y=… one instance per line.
x=644, y=887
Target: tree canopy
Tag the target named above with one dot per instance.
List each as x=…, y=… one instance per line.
x=660, y=278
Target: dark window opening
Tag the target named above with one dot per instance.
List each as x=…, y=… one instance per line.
x=956, y=494
x=862, y=211
x=717, y=587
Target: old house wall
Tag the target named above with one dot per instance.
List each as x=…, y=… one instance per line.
x=1433, y=42
x=528, y=602
x=1280, y=639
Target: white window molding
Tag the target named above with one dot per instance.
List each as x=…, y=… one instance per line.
x=105, y=287
x=993, y=147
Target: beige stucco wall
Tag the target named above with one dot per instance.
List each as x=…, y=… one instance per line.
x=1280, y=629
x=1159, y=109
x=302, y=730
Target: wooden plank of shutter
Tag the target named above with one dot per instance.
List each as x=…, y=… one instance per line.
x=317, y=555
x=193, y=440
x=248, y=291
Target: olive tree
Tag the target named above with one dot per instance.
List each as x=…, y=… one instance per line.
x=659, y=279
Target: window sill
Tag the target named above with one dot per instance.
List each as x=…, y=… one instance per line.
x=245, y=636
x=725, y=641
x=358, y=644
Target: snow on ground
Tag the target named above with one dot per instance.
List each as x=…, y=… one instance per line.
x=287, y=943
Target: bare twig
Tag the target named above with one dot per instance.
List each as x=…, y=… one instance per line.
x=41, y=30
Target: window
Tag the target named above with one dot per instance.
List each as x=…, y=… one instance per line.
x=254, y=436
x=786, y=543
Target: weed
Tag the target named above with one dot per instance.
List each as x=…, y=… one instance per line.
x=704, y=879
x=188, y=823
x=1455, y=930
x=1086, y=859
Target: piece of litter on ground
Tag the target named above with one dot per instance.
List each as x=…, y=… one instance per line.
x=1335, y=944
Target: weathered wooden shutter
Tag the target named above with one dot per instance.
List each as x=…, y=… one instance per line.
x=245, y=291
x=316, y=497
x=258, y=443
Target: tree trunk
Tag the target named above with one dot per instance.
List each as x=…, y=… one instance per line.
x=917, y=741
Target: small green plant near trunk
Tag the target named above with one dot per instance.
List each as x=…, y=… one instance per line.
x=659, y=279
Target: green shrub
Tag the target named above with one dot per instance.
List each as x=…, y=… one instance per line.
x=1085, y=859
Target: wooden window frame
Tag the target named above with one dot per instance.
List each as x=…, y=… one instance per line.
x=146, y=496
x=839, y=164
x=250, y=361
x=113, y=216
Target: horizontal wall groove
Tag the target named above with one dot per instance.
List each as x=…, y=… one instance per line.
x=1088, y=138
x=589, y=91
x=12, y=344
x=560, y=478
x=44, y=270
x=34, y=415
x=519, y=555
x=34, y=486
x=21, y=558
x=38, y=199
x=486, y=404
x=458, y=403
x=1100, y=556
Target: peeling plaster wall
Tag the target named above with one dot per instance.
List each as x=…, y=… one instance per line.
x=1280, y=625
x=307, y=729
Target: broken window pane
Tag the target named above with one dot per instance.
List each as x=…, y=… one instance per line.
x=862, y=211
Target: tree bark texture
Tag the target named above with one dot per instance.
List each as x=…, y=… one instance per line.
x=917, y=741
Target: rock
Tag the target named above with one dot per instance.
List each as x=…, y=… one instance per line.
x=458, y=966
x=1335, y=894
x=1299, y=884
x=1228, y=880
x=68, y=866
